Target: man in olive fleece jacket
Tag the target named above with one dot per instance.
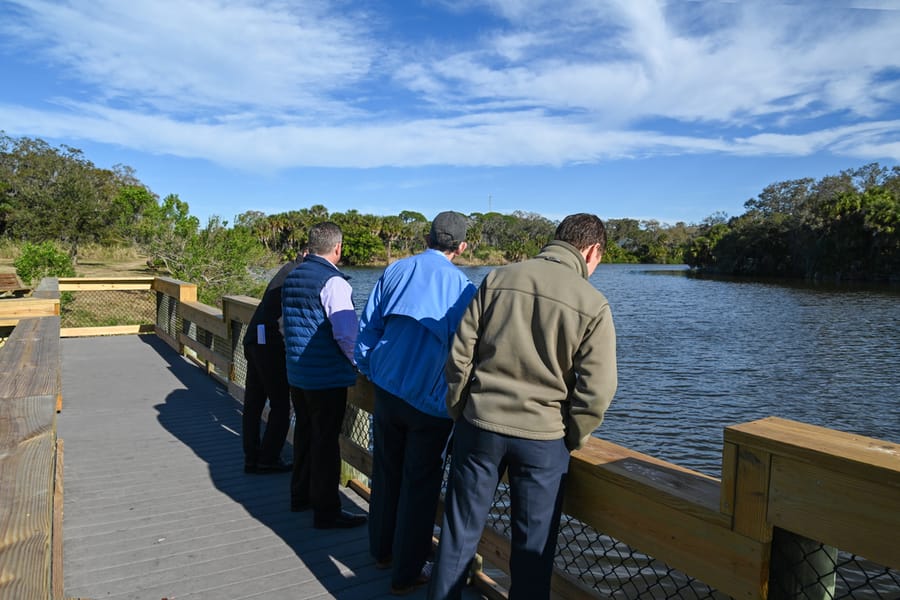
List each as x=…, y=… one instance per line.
x=531, y=373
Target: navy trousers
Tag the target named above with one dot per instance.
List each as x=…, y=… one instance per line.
x=406, y=482
x=317, y=452
x=266, y=380
x=536, y=470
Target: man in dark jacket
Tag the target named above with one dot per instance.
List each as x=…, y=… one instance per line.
x=266, y=379
x=319, y=337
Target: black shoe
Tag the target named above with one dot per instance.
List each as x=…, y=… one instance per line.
x=343, y=520
x=249, y=467
x=279, y=466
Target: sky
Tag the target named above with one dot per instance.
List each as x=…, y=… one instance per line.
x=673, y=111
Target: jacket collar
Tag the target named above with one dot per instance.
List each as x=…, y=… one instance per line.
x=565, y=253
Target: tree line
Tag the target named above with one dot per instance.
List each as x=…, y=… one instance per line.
x=843, y=225
x=840, y=227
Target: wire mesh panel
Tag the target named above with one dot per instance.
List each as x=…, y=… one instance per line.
x=239, y=360
x=167, y=314
x=105, y=308
x=207, y=339
x=358, y=427
x=806, y=569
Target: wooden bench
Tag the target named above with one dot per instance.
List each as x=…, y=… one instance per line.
x=10, y=285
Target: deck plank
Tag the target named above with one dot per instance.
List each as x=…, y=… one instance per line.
x=156, y=502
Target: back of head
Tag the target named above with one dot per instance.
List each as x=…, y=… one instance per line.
x=448, y=231
x=323, y=237
x=582, y=230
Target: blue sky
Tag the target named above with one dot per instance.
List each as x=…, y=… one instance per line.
x=626, y=108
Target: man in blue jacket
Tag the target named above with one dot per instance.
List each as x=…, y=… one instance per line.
x=404, y=337
x=319, y=336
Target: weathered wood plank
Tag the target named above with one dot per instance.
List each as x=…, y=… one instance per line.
x=56, y=536
x=30, y=360
x=27, y=443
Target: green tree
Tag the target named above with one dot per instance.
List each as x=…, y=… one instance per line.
x=391, y=230
x=55, y=194
x=220, y=260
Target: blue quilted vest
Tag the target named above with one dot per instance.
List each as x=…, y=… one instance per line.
x=314, y=360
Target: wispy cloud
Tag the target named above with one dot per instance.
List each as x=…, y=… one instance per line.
x=269, y=85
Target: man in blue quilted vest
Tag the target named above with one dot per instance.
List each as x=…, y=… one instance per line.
x=320, y=327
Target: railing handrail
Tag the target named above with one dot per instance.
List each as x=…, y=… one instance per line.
x=30, y=454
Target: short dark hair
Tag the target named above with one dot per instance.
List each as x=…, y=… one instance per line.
x=323, y=237
x=582, y=230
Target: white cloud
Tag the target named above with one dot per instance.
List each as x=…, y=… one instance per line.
x=269, y=85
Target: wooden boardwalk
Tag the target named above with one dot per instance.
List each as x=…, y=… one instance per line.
x=156, y=502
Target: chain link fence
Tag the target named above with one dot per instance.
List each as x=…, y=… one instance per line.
x=806, y=569
x=106, y=308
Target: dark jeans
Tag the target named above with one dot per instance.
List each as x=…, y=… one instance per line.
x=536, y=470
x=406, y=481
x=317, y=451
x=266, y=380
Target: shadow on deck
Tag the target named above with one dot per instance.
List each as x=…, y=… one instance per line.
x=156, y=501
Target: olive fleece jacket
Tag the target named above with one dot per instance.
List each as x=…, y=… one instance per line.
x=534, y=356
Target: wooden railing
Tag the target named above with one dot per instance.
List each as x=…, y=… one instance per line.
x=779, y=476
x=30, y=454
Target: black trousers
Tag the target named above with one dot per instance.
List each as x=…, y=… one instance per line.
x=317, y=452
x=406, y=481
x=266, y=380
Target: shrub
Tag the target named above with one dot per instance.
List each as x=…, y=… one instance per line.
x=37, y=261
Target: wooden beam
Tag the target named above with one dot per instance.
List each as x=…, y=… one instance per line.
x=239, y=308
x=864, y=457
x=667, y=512
x=842, y=510
x=205, y=317
x=12, y=310
x=180, y=290
x=205, y=354
x=75, y=284
x=67, y=332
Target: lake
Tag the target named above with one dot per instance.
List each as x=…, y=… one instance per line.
x=696, y=355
